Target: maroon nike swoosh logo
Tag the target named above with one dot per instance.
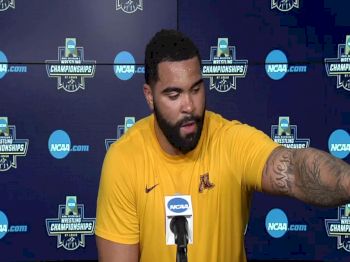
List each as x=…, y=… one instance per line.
x=147, y=190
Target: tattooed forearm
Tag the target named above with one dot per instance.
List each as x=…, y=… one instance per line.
x=310, y=175
x=322, y=179
x=283, y=168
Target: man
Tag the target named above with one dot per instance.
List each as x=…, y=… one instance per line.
x=182, y=149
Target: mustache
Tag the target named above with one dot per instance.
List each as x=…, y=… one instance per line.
x=189, y=118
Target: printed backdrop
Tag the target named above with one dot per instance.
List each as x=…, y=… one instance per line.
x=284, y=68
x=62, y=102
x=71, y=75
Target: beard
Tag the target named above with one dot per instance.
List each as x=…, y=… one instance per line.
x=172, y=131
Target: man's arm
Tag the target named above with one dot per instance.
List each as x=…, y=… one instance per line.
x=109, y=251
x=310, y=175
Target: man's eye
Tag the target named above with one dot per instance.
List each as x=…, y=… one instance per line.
x=195, y=90
x=173, y=96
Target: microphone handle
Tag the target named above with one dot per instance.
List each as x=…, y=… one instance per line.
x=179, y=227
x=181, y=254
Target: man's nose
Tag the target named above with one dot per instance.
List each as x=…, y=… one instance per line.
x=187, y=103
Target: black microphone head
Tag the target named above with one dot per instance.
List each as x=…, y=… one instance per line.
x=177, y=221
x=179, y=226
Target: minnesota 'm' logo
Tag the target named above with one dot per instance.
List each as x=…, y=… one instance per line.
x=204, y=183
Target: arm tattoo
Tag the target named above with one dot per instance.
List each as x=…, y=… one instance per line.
x=310, y=182
x=283, y=170
x=310, y=175
x=323, y=179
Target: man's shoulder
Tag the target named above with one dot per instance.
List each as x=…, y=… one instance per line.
x=221, y=128
x=217, y=123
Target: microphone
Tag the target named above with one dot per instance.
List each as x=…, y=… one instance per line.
x=179, y=227
x=179, y=224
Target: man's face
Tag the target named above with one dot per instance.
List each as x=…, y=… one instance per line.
x=179, y=103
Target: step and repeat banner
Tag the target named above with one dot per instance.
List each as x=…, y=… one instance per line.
x=64, y=98
x=282, y=66
x=71, y=76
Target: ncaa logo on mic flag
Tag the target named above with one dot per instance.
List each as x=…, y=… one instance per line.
x=178, y=205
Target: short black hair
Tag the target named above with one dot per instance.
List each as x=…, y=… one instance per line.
x=167, y=45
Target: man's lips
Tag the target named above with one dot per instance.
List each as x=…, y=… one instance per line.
x=188, y=123
x=189, y=127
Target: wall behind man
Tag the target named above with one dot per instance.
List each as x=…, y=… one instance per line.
x=40, y=178
x=308, y=33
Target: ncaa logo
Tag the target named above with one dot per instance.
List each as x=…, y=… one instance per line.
x=276, y=64
x=3, y=224
x=124, y=66
x=129, y=123
x=3, y=125
x=5, y=68
x=223, y=45
x=71, y=203
x=178, y=205
x=339, y=143
x=284, y=124
x=59, y=144
x=3, y=64
x=276, y=223
x=71, y=46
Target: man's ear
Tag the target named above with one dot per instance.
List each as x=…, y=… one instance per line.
x=147, y=91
